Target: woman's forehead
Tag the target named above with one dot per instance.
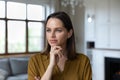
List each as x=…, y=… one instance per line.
x=54, y=22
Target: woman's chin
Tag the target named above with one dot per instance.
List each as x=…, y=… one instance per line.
x=53, y=45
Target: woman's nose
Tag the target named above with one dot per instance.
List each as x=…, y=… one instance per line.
x=52, y=34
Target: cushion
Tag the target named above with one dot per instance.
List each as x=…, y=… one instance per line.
x=5, y=65
x=18, y=77
x=19, y=65
x=3, y=74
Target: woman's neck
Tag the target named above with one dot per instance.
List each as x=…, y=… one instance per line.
x=64, y=50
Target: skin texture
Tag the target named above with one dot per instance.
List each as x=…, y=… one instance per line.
x=57, y=36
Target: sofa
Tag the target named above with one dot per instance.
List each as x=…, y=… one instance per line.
x=14, y=68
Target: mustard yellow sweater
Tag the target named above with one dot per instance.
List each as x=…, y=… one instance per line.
x=78, y=69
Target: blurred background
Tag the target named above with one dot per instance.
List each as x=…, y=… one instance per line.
x=96, y=25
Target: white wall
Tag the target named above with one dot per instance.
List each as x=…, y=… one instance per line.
x=104, y=31
x=105, y=28
x=78, y=24
x=78, y=21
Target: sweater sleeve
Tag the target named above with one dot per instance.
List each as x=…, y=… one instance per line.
x=32, y=69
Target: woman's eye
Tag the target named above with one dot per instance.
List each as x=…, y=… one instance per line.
x=47, y=30
x=59, y=30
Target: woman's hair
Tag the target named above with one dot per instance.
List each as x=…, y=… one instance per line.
x=68, y=25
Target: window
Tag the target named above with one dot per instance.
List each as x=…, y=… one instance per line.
x=16, y=36
x=2, y=36
x=35, y=36
x=2, y=9
x=21, y=27
x=16, y=10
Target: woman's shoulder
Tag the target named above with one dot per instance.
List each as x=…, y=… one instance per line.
x=82, y=56
x=39, y=56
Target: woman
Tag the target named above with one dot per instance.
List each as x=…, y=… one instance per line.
x=59, y=61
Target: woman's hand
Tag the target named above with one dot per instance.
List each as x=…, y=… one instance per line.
x=37, y=78
x=55, y=54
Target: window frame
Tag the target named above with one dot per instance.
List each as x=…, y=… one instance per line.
x=26, y=21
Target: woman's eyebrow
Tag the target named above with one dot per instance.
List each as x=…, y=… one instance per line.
x=54, y=28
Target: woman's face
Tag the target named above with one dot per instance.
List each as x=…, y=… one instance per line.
x=56, y=34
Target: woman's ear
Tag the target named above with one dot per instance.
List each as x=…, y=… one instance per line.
x=70, y=33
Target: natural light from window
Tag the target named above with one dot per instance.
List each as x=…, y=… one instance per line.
x=2, y=36
x=36, y=36
x=35, y=12
x=2, y=9
x=16, y=36
x=21, y=27
x=16, y=10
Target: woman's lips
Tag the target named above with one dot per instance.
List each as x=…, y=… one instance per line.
x=53, y=41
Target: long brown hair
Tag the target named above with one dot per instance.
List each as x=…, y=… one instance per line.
x=68, y=25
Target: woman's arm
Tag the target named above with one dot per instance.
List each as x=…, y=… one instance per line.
x=48, y=74
x=32, y=69
x=55, y=54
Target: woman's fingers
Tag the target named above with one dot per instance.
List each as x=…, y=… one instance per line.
x=57, y=51
x=37, y=78
x=59, y=54
x=55, y=54
x=54, y=48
